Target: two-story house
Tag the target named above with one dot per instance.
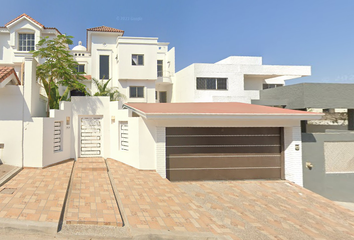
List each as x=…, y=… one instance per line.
x=141, y=68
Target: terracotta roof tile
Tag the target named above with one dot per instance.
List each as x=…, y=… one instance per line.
x=105, y=29
x=7, y=71
x=25, y=15
x=53, y=29
x=213, y=108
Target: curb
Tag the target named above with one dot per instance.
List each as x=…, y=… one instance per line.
x=118, y=200
x=44, y=227
x=8, y=176
x=67, y=196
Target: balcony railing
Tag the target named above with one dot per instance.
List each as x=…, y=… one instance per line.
x=164, y=77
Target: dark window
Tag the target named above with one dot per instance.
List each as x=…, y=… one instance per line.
x=137, y=59
x=76, y=93
x=104, y=67
x=136, y=92
x=267, y=86
x=212, y=83
x=80, y=68
x=26, y=42
x=159, y=68
x=163, y=97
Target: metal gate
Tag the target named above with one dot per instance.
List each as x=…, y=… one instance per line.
x=91, y=137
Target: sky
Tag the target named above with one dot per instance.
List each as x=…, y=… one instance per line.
x=316, y=33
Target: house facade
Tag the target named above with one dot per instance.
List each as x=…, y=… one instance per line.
x=196, y=124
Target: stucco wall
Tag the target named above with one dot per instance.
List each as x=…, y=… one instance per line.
x=292, y=156
x=129, y=46
x=13, y=111
x=335, y=186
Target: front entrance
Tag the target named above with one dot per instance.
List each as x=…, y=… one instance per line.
x=163, y=97
x=91, y=137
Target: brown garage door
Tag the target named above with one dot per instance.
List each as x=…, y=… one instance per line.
x=223, y=153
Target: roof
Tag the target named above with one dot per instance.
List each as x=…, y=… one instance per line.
x=104, y=29
x=214, y=108
x=38, y=23
x=6, y=72
x=310, y=95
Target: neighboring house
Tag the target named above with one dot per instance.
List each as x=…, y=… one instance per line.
x=328, y=148
x=234, y=79
x=202, y=131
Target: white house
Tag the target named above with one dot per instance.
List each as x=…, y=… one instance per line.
x=193, y=125
x=233, y=79
x=142, y=68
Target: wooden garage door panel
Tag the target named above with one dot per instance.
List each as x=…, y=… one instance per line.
x=222, y=161
x=222, y=149
x=223, y=140
x=216, y=131
x=229, y=174
x=223, y=153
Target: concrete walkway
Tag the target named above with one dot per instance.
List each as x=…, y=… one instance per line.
x=91, y=198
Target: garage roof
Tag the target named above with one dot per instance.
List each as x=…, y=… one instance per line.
x=215, y=109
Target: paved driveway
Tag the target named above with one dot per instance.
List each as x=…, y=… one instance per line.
x=227, y=209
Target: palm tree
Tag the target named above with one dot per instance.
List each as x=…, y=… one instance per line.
x=104, y=90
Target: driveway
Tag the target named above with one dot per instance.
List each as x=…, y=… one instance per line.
x=226, y=209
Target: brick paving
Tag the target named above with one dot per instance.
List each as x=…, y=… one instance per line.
x=91, y=200
x=231, y=209
x=36, y=194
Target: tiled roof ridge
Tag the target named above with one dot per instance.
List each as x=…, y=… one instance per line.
x=7, y=71
x=27, y=16
x=104, y=29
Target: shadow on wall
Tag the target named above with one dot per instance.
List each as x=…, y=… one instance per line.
x=331, y=157
x=13, y=106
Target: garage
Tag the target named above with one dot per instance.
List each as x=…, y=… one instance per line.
x=224, y=153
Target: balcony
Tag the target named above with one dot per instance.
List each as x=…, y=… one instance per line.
x=164, y=77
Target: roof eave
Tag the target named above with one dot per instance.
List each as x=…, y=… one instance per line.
x=188, y=116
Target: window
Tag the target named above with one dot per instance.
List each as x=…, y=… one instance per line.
x=267, y=86
x=104, y=67
x=163, y=97
x=159, y=68
x=212, y=83
x=124, y=140
x=80, y=68
x=138, y=59
x=136, y=92
x=57, y=136
x=26, y=42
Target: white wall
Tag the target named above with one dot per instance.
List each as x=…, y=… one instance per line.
x=149, y=90
x=13, y=110
x=185, y=87
x=146, y=46
x=293, y=157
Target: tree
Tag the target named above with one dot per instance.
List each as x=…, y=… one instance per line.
x=104, y=90
x=59, y=68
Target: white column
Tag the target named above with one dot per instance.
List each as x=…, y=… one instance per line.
x=293, y=157
x=161, y=151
